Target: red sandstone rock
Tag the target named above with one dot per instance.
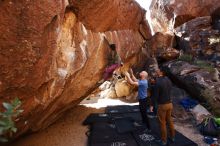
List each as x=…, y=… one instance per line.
x=159, y=43
x=197, y=37
x=52, y=56
x=108, y=15
x=168, y=14
x=169, y=54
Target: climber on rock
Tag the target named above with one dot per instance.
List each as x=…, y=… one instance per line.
x=114, y=62
x=142, y=92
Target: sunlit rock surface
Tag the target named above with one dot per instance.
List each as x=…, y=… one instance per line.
x=161, y=46
x=53, y=53
x=199, y=38
x=168, y=14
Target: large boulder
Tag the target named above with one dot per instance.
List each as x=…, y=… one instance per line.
x=159, y=42
x=52, y=53
x=198, y=81
x=168, y=14
x=161, y=45
x=123, y=88
x=197, y=37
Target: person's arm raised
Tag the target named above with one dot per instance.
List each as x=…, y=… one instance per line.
x=132, y=76
x=130, y=81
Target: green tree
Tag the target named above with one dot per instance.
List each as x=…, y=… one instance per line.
x=7, y=117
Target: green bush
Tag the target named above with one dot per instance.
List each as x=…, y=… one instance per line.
x=7, y=117
x=200, y=63
x=204, y=65
x=186, y=57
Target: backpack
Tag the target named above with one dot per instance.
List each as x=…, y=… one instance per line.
x=217, y=121
x=208, y=127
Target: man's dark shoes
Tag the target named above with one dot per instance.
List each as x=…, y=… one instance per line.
x=172, y=139
x=147, y=130
x=161, y=142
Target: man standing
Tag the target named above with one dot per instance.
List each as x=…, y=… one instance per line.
x=162, y=95
x=142, y=93
x=152, y=82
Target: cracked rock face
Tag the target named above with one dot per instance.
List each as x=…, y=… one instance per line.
x=168, y=14
x=52, y=53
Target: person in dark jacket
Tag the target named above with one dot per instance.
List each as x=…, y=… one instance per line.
x=162, y=95
x=152, y=82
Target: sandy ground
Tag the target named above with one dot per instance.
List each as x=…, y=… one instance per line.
x=69, y=131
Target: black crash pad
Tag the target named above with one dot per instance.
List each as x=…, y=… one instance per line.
x=124, y=128
x=97, y=117
x=124, y=125
x=136, y=116
x=122, y=109
x=145, y=138
x=127, y=142
x=106, y=133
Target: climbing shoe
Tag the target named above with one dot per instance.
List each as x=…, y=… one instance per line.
x=172, y=139
x=161, y=142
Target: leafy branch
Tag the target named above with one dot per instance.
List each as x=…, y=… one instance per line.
x=7, y=124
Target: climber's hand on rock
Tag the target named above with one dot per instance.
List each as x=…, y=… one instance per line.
x=131, y=71
x=127, y=74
